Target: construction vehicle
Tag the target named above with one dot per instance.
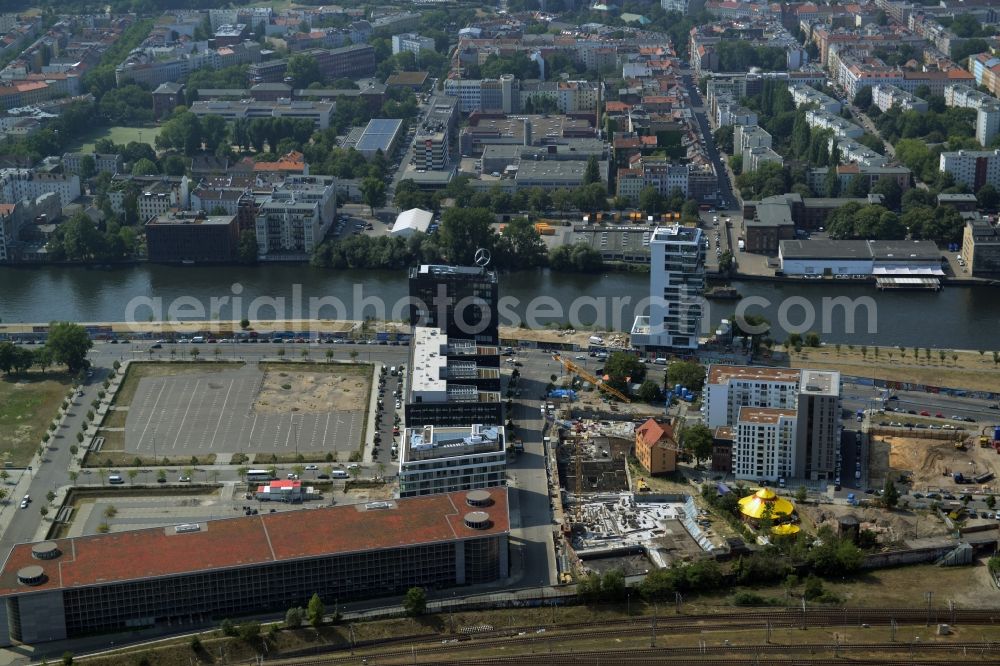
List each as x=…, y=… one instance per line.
x=642, y=486
x=573, y=368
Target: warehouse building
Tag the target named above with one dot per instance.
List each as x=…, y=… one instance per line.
x=380, y=134
x=63, y=588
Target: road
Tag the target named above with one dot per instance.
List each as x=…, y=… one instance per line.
x=698, y=109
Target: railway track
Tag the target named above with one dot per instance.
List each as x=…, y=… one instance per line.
x=444, y=644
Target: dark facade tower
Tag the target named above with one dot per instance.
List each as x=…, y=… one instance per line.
x=461, y=301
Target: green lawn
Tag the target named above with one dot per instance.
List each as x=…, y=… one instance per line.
x=27, y=405
x=120, y=135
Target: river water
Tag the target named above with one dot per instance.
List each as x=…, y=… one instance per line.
x=955, y=317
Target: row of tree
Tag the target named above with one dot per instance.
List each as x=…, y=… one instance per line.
x=66, y=344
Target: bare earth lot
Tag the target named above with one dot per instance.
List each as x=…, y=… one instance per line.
x=27, y=406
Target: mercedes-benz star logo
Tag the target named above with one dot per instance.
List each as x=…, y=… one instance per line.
x=482, y=257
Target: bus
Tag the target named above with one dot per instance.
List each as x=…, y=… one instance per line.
x=255, y=475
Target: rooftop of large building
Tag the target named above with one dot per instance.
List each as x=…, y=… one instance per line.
x=820, y=382
x=187, y=218
x=432, y=442
x=103, y=559
x=454, y=273
x=722, y=374
x=765, y=415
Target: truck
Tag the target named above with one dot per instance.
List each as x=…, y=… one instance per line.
x=595, y=340
x=984, y=477
x=958, y=477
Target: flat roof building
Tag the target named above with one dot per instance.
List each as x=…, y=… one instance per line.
x=192, y=237
x=452, y=382
x=730, y=387
x=63, y=588
x=435, y=459
x=380, y=134
x=459, y=300
x=981, y=247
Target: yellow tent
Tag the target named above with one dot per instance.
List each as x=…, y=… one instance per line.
x=752, y=506
x=785, y=530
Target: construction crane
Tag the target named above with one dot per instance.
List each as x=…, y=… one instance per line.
x=573, y=368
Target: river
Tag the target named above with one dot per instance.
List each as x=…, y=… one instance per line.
x=955, y=317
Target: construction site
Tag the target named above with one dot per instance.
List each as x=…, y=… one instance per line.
x=613, y=521
x=937, y=459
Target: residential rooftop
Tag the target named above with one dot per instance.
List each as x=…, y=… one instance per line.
x=721, y=374
x=765, y=415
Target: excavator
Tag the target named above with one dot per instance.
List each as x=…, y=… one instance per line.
x=573, y=368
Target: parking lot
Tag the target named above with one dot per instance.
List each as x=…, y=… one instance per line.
x=222, y=413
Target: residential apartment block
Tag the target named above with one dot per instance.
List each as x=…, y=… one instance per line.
x=410, y=42
x=987, y=110
x=103, y=163
x=840, y=127
x=885, y=96
x=807, y=95
x=785, y=423
x=18, y=184
x=296, y=216
x=354, y=61
x=730, y=388
x=676, y=281
x=436, y=459
x=973, y=168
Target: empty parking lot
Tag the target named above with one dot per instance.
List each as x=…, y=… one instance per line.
x=224, y=412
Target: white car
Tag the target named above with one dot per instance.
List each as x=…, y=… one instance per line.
x=312, y=468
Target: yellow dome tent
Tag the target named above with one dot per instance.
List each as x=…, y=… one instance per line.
x=753, y=506
x=785, y=530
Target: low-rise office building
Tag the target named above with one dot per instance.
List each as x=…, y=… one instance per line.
x=981, y=247
x=318, y=113
x=53, y=590
x=435, y=459
x=192, y=237
x=381, y=134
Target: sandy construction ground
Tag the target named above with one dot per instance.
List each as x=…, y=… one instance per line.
x=931, y=461
x=311, y=392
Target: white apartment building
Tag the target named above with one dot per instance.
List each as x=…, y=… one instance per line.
x=885, y=96
x=676, y=282
x=842, y=128
x=973, y=168
x=295, y=218
x=987, y=109
x=18, y=184
x=411, y=42
x=852, y=151
x=733, y=113
x=755, y=158
x=750, y=136
x=806, y=94
x=729, y=388
x=764, y=443
x=436, y=459
x=503, y=94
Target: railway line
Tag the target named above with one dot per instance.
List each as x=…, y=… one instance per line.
x=540, y=639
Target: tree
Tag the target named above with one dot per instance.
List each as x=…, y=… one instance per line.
x=649, y=391
x=592, y=173
x=863, y=98
x=69, y=344
x=689, y=374
x=315, y=611
x=622, y=368
x=303, y=70
x=415, y=601
x=463, y=231
x=800, y=494
x=891, y=193
x=88, y=167
x=649, y=200
x=294, y=617
x=145, y=167
x=697, y=439
x=373, y=192
x=890, y=496
x=988, y=197
x=247, y=251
